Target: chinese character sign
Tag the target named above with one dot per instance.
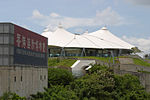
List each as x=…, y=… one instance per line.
x=29, y=48
x=29, y=40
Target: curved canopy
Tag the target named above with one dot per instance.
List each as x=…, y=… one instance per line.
x=101, y=39
x=106, y=35
x=59, y=37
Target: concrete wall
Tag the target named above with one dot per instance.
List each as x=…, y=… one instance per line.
x=23, y=80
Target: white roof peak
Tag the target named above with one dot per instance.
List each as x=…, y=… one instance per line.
x=87, y=31
x=60, y=25
x=104, y=28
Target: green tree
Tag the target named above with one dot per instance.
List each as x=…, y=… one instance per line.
x=128, y=87
x=55, y=92
x=57, y=76
x=96, y=86
x=11, y=96
x=136, y=50
x=102, y=84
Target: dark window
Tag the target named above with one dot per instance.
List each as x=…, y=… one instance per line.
x=15, y=78
x=40, y=77
x=44, y=77
x=21, y=78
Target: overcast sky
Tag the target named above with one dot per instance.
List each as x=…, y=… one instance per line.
x=127, y=19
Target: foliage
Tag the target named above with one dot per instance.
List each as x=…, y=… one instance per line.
x=144, y=71
x=97, y=68
x=105, y=59
x=11, y=96
x=128, y=87
x=53, y=61
x=96, y=86
x=135, y=50
x=57, y=76
x=141, y=62
x=99, y=84
x=102, y=84
x=55, y=92
x=61, y=62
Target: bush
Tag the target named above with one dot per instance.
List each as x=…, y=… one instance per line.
x=11, y=96
x=55, y=92
x=57, y=76
x=61, y=62
x=97, y=68
x=128, y=87
x=96, y=86
x=100, y=84
x=103, y=84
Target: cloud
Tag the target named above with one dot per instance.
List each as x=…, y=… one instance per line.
x=142, y=43
x=54, y=15
x=104, y=17
x=37, y=15
x=140, y=2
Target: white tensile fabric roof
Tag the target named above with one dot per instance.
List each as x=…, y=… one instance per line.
x=101, y=39
x=60, y=37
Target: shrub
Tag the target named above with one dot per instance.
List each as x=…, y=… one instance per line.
x=61, y=62
x=55, y=92
x=57, y=76
x=103, y=84
x=128, y=87
x=11, y=96
x=96, y=68
x=96, y=86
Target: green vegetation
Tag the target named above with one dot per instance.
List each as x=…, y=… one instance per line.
x=99, y=84
x=70, y=62
x=59, y=77
x=144, y=71
x=128, y=87
x=136, y=50
x=105, y=59
x=55, y=92
x=141, y=62
x=61, y=62
x=136, y=61
x=11, y=96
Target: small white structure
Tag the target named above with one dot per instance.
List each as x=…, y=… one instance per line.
x=78, y=67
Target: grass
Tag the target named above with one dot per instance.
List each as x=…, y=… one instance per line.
x=70, y=62
x=144, y=71
x=105, y=59
x=140, y=62
x=61, y=62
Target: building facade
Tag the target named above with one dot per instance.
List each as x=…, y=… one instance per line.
x=23, y=60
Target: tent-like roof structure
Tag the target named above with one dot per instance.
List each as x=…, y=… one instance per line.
x=106, y=35
x=101, y=39
x=59, y=37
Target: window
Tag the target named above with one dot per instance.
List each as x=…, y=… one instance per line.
x=21, y=78
x=15, y=79
x=40, y=77
x=44, y=77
